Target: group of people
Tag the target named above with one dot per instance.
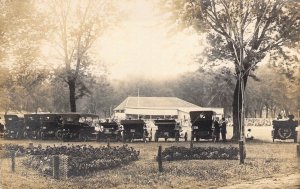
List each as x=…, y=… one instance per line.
x=220, y=128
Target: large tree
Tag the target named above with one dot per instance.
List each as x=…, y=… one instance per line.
x=76, y=27
x=266, y=94
x=211, y=88
x=242, y=33
x=21, y=32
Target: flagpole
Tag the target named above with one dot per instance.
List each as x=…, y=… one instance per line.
x=138, y=103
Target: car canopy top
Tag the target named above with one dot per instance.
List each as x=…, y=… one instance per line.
x=74, y=117
x=11, y=121
x=165, y=123
x=51, y=117
x=285, y=123
x=32, y=120
x=11, y=118
x=109, y=124
x=200, y=116
x=132, y=122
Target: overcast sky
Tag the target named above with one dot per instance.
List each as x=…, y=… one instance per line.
x=140, y=45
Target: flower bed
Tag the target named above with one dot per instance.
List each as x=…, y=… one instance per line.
x=199, y=153
x=7, y=148
x=82, y=159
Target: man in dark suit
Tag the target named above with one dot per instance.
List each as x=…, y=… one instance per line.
x=217, y=129
x=223, y=129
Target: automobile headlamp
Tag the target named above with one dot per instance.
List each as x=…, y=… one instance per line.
x=44, y=127
x=27, y=127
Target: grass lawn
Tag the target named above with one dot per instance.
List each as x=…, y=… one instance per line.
x=264, y=160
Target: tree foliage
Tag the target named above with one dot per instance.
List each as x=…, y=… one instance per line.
x=273, y=94
x=76, y=25
x=21, y=33
x=242, y=33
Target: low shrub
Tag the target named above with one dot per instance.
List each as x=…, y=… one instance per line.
x=7, y=148
x=199, y=153
x=82, y=159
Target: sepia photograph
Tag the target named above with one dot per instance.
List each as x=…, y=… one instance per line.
x=149, y=94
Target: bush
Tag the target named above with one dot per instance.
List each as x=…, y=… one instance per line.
x=82, y=159
x=7, y=148
x=182, y=153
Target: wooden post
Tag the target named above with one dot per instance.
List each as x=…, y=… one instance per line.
x=242, y=152
x=192, y=140
x=13, y=160
x=55, y=166
x=97, y=137
x=108, y=142
x=64, y=160
x=298, y=150
x=159, y=159
x=30, y=145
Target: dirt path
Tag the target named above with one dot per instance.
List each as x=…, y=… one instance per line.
x=291, y=181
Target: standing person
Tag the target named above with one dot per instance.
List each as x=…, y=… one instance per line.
x=223, y=129
x=217, y=129
x=279, y=117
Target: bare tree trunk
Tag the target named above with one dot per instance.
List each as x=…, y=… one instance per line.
x=246, y=111
x=104, y=111
x=260, y=112
x=287, y=112
x=271, y=111
x=236, y=108
x=267, y=111
x=72, y=88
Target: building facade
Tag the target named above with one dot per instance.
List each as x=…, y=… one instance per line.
x=151, y=108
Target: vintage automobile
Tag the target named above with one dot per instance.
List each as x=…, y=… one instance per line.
x=284, y=129
x=133, y=130
x=14, y=127
x=168, y=129
x=78, y=126
x=51, y=125
x=202, y=125
x=109, y=130
x=32, y=126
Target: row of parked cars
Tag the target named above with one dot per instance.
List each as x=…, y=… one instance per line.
x=83, y=127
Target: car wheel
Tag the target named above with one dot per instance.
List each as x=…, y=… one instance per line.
x=296, y=137
x=64, y=138
x=156, y=137
x=25, y=135
x=82, y=137
x=284, y=133
x=17, y=135
x=58, y=135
